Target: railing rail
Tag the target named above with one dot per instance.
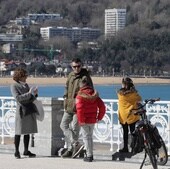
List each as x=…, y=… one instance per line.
x=107, y=131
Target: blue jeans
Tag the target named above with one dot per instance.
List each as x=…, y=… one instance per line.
x=70, y=127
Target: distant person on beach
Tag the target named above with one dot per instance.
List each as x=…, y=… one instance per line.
x=25, y=118
x=90, y=109
x=128, y=98
x=69, y=123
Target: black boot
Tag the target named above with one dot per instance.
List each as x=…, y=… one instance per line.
x=17, y=142
x=17, y=155
x=124, y=150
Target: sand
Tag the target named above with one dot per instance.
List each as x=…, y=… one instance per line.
x=96, y=80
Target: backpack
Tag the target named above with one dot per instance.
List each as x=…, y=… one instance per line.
x=155, y=136
x=137, y=143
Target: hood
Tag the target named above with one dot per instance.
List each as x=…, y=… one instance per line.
x=88, y=93
x=122, y=91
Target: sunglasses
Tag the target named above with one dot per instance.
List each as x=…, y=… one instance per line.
x=78, y=66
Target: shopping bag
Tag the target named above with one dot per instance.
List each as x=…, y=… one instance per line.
x=40, y=114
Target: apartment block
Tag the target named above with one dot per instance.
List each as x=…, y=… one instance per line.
x=11, y=38
x=25, y=21
x=115, y=20
x=42, y=17
x=74, y=34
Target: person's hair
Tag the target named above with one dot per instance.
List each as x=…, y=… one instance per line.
x=19, y=73
x=76, y=60
x=128, y=83
x=84, y=82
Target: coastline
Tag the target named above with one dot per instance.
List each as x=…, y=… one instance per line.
x=5, y=81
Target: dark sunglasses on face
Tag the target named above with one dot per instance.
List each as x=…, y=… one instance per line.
x=78, y=66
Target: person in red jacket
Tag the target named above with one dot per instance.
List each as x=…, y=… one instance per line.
x=90, y=109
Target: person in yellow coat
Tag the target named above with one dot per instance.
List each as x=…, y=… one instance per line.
x=128, y=98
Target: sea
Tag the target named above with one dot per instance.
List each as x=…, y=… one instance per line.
x=146, y=91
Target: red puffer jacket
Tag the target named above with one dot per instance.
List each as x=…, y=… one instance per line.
x=90, y=108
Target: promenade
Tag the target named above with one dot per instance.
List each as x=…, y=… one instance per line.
x=102, y=160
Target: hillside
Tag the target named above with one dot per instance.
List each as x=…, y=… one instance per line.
x=89, y=12
x=142, y=47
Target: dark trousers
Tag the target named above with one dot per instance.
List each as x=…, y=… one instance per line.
x=17, y=142
x=126, y=128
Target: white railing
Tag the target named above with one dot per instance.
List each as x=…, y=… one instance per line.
x=7, y=117
x=107, y=131
x=110, y=131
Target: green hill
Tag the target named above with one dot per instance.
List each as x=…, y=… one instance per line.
x=142, y=46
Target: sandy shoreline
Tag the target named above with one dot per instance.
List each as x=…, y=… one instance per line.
x=96, y=80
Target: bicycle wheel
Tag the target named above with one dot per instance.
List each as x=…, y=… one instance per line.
x=151, y=151
x=162, y=153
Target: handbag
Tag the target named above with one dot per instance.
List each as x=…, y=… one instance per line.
x=27, y=109
x=40, y=110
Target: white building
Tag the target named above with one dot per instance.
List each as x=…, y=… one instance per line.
x=115, y=20
x=74, y=33
x=10, y=38
x=42, y=17
x=2, y=66
x=35, y=18
x=7, y=48
x=25, y=21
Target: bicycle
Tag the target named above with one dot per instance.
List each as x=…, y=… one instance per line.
x=148, y=137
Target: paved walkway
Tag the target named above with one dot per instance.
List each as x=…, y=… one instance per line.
x=7, y=161
x=102, y=156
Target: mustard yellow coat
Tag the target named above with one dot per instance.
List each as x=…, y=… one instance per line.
x=126, y=102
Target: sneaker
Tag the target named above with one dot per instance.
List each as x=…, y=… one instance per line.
x=82, y=153
x=29, y=154
x=67, y=154
x=88, y=159
x=77, y=150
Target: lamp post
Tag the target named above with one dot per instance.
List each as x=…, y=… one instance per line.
x=113, y=71
x=51, y=53
x=123, y=72
x=35, y=72
x=1, y=68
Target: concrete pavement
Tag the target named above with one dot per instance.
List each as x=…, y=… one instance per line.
x=102, y=156
x=7, y=161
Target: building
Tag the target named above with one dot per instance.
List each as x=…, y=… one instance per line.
x=43, y=17
x=25, y=21
x=7, y=48
x=11, y=38
x=115, y=20
x=75, y=34
x=14, y=29
x=35, y=18
x=2, y=65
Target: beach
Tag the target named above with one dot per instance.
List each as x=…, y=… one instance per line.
x=96, y=80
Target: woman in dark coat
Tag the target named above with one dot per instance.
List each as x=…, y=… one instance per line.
x=25, y=119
